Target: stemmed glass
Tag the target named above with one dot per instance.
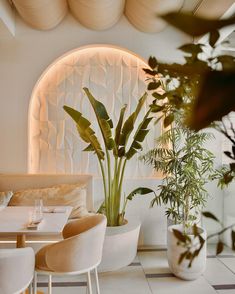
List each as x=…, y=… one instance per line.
x=38, y=210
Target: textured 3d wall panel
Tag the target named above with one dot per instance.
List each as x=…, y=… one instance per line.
x=113, y=75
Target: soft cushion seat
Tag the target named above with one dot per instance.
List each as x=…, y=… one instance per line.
x=80, y=249
x=60, y=195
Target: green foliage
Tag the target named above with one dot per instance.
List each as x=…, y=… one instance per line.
x=194, y=25
x=86, y=133
x=185, y=164
x=214, y=81
x=113, y=145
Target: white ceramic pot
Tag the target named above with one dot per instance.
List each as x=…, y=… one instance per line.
x=174, y=251
x=120, y=246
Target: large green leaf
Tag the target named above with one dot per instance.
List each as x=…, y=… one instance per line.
x=194, y=25
x=129, y=125
x=139, y=136
x=104, y=121
x=86, y=133
x=119, y=128
x=140, y=191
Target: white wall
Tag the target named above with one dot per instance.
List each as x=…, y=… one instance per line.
x=25, y=57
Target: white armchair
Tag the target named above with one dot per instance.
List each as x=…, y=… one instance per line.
x=80, y=251
x=16, y=270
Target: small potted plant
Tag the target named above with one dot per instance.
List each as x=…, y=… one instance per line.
x=118, y=148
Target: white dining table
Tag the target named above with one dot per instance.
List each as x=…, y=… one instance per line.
x=14, y=221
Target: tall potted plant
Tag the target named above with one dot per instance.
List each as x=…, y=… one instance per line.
x=182, y=158
x=186, y=165
x=113, y=156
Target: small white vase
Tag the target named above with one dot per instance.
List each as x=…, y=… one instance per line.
x=120, y=246
x=174, y=251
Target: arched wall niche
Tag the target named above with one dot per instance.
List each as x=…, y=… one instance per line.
x=113, y=75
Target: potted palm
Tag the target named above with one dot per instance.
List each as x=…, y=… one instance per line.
x=184, y=162
x=113, y=154
x=186, y=165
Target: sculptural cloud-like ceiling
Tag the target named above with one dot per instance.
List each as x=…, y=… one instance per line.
x=96, y=14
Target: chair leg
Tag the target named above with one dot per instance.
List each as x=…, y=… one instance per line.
x=97, y=282
x=89, y=282
x=30, y=288
x=35, y=283
x=49, y=285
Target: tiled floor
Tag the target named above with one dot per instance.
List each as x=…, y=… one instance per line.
x=149, y=274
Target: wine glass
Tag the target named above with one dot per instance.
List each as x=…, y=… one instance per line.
x=38, y=209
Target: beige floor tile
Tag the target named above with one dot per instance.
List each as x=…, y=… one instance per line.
x=174, y=285
x=154, y=262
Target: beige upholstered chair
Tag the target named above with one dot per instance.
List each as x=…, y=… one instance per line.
x=80, y=251
x=16, y=270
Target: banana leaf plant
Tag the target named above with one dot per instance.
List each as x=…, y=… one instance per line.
x=113, y=153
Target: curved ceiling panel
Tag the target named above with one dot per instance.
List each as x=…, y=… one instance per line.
x=42, y=14
x=142, y=13
x=97, y=15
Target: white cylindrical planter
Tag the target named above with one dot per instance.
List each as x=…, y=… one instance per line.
x=42, y=14
x=120, y=246
x=143, y=13
x=97, y=15
x=174, y=251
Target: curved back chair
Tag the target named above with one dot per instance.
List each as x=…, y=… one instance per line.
x=16, y=270
x=79, y=252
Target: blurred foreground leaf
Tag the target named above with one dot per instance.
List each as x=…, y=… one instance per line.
x=194, y=25
x=216, y=98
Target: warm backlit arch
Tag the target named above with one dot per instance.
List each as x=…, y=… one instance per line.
x=114, y=75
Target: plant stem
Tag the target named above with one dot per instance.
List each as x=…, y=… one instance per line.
x=110, y=196
x=114, y=191
x=104, y=183
x=120, y=183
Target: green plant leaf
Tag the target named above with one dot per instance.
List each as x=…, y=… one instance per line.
x=152, y=62
x=191, y=48
x=233, y=239
x=168, y=120
x=154, y=85
x=156, y=108
x=214, y=99
x=86, y=133
x=129, y=126
x=219, y=248
x=119, y=128
x=139, y=136
x=180, y=236
x=182, y=257
x=150, y=72
x=214, y=37
x=194, y=25
x=139, y=191
x=159, y=96
x=227, y=62
x=104, y=121
x=210, y=215
x=195, y=230
x=89, y=148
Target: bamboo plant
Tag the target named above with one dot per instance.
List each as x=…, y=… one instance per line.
x=113, y=153
x=186, y=166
